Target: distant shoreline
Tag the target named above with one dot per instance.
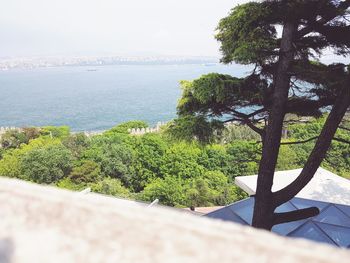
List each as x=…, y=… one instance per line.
x=151, y=128
x=53, y=62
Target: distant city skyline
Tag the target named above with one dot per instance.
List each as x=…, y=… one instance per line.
x=59, y=61
x=111, y=27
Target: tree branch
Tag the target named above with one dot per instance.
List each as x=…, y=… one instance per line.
x=314, y=138
x=296, y=121
x=233, y=119
x=299, y=142
x=341, y=140
x=239, y=114
x=254, y=128
x=280, y=218
x=308, y=29
x=344, y=128
x=319, y=151
x=245, y=120
x=245, y=116
x=256, y=112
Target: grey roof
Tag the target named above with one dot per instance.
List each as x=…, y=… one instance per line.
x=331, y=226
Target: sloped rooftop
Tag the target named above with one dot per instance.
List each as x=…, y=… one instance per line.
x=331, y=226
x=46, y=224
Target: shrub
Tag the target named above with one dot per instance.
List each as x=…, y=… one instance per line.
x=110, y=186
x=47, y=165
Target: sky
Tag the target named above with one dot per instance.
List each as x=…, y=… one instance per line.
x=111, y=27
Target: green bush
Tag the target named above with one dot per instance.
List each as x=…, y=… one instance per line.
x=149, y=152
x=55, y=132
x=110, y=186
x=169, y=191
x=124, y=127
x=12, y=139
x=67, y=183
x=46, y=165
x=87, y=172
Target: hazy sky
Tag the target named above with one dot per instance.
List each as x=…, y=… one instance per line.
x=102, y=27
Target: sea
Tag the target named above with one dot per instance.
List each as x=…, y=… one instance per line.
x=97, y=98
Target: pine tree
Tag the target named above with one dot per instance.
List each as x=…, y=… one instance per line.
x=283, y=40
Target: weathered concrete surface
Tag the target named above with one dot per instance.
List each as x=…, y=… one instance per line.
x=44, y=224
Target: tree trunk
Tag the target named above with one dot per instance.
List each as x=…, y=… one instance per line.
x=264, y=207
x=320, y=149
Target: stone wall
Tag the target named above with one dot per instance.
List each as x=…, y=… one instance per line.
x=5, y=129
x=142, y=131
x=46, y=224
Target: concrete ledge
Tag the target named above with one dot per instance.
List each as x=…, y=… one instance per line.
x=46, y=224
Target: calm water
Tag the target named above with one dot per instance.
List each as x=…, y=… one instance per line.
x=96, y=100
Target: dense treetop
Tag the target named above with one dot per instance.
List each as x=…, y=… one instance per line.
x=251, y=34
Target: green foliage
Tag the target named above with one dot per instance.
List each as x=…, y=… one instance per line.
x=114, y=154
x=287, y=158
x=246, y=33
x=67, y=183
x=149, y=158
x=199, y=193
x=181, y=160
x=12, y=139
x=77, y=143
x=190, y=128
x=305, y=131
x=116, y=162
x=110, y=186
x=235, y=132
x=2, y=152
x=124, y=127
x=217, y=94
x=245, y=157
x=209, y=101
x=294, y=156
x=169, y=191
x=212, y=189
x=215, y=158
x=10, y=165
x=151, y=166
x=338, y=158
x=87, y=172
x=55, y=132
x=46, y=165
x=31, y=133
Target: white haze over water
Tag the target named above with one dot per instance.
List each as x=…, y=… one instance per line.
x=113, y=27
x=110, y=27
